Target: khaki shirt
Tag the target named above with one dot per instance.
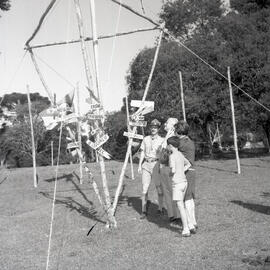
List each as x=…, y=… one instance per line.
x=150, y=146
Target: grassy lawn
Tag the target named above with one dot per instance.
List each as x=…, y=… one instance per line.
x=233, y=215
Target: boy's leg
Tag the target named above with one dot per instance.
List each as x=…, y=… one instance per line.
x=167, y=191
x=157, y=180
x=178, y=196
x=189, y=204
x=146, y=179
x=189, y=199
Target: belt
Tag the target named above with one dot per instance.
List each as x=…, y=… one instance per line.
x=151, y=159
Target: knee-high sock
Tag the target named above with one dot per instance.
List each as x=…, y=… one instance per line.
x=190, y=209
x=144, y=202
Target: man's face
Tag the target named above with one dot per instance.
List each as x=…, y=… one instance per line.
x=168, y=125
x=154, y=130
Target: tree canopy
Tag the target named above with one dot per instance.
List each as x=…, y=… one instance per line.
x=238, y=37
x=4, y=5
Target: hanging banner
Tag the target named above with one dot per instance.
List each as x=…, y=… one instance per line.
x=95, y=106
x=144, y=107
x=98, y=143
x=94, y=117
x=73, y=145
x=136, y=118
x=134, y=136
x=104, y=153
x=138, y=124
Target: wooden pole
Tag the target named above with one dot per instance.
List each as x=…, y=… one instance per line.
x=234, y=125
x=32, y=138
x=182, y=96
x=83, y=47
x=72, y=41
x=52, y=152
x=100, y=157
x=128, y=127
x=121, y=178
x=79, y=131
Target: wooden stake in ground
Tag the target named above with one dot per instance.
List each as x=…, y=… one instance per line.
x=234, y=125
x=128, y=127
x=32, y=138
x=182, y=96
x=121, y=178
x=111, y=218
x=52, y=152
x=79, y=130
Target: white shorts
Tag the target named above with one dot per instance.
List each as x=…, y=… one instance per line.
x=178, y=191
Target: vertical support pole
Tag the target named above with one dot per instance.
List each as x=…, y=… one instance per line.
x=32, y=138
x=128, y=127
x=182, y=96
x=234, y=125
x=100, y=157
x=79, y=130
x=83, y=47
x=52, y=152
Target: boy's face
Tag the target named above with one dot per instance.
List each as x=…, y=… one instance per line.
x=154, y=130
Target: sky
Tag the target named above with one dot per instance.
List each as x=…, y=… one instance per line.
x=17, y=25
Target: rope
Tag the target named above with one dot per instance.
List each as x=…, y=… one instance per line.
x=113, y=46
x=14, y=75
x=55, y=71
x=214, y=69
x=54, y=196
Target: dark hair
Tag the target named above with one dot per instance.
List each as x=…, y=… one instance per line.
x=182, y=127
x=174, y=141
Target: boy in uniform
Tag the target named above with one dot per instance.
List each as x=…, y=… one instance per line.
x=148, y=166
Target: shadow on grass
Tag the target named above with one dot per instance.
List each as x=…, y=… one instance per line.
x=73, y=205
x=263, y=209
x=152, y=217
x=265, y=194
x=68, y=177
x=216, y=169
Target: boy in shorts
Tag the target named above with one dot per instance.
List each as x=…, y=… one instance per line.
x=178, y=165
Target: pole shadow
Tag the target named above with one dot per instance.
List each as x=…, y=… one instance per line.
x=263, y=209
x=73, y=205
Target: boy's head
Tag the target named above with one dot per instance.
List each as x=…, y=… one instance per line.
x=182, y=127
x=173, y=141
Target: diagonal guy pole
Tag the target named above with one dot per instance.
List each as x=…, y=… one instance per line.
x=121, y=178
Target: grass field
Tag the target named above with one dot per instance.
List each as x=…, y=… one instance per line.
x=233, y=215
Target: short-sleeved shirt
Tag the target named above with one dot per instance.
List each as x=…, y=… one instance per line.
x=177, y=164
x=150, y=146
x=187, y=148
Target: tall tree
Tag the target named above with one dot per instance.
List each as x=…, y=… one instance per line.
x=239, y=39
x=4, y=5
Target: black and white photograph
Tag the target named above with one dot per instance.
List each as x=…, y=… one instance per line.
x=135, y=134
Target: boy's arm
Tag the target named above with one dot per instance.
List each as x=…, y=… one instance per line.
x=187, y=164
x=141, y=157
x=172, y=165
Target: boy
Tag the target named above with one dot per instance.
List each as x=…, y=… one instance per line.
x=178, y=165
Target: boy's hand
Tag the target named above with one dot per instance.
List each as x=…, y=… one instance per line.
x=140, y=169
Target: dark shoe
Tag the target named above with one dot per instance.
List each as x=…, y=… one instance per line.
x=193, y=231
x=172, y=219
x=147, y=206
x=143, y=215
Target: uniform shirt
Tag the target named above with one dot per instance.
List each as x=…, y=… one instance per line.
x=150, y=146
x=178, y=165
x=187, y=148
